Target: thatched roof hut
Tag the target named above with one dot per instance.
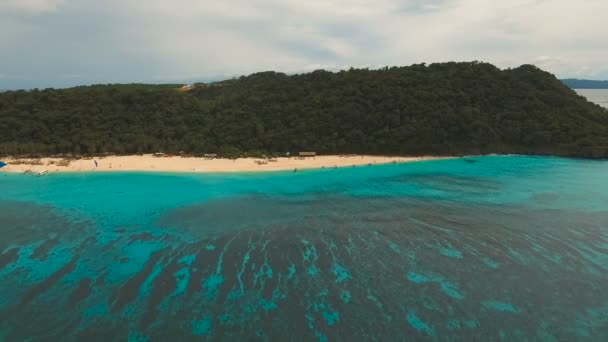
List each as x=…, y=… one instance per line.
x=307, y=154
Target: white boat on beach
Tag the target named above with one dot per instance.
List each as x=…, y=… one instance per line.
x=43, y=172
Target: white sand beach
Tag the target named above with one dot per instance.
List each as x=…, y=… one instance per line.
x=151, y=163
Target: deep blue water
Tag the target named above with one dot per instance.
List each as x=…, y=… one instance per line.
x=486, y=248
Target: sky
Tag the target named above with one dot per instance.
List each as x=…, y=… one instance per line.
x=61, y=43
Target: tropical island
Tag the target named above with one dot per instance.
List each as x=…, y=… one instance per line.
x=585, y=84
x=445, y=109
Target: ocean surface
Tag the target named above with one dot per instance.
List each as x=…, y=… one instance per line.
x=489, y=248
x=599, y=96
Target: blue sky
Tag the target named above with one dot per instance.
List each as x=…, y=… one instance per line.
x=58, y=43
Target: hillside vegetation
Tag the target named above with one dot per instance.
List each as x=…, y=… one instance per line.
x=438, y=109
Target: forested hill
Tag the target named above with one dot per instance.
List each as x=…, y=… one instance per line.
x=438, y=109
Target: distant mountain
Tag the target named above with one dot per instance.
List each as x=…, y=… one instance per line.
x=436, y=109
x=585, y=84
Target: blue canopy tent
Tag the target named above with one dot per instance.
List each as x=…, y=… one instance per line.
x=2, y=164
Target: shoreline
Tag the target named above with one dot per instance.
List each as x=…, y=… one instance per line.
x=177, y=164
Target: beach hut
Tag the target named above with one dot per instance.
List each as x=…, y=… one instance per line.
x=304, y=155
x=307, y=154
x=210, y=155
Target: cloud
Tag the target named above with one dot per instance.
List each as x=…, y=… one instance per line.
x=133, y=40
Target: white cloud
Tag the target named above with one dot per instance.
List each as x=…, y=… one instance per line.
x=121, y=40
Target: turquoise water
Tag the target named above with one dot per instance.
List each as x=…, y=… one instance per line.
x=485, y=248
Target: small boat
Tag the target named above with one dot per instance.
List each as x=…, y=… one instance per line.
x=42, y=173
